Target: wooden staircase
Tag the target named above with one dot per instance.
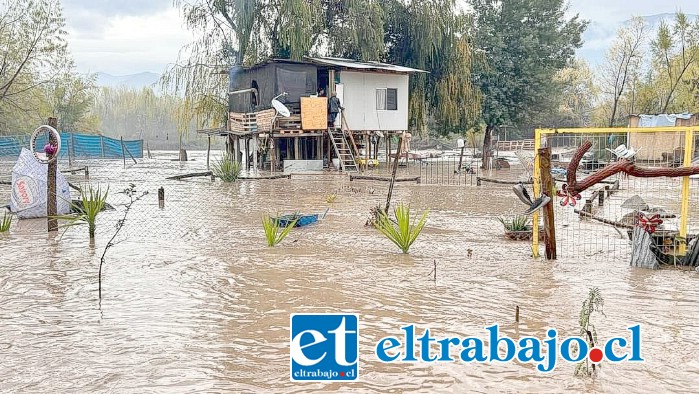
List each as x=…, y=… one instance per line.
x=343, y=150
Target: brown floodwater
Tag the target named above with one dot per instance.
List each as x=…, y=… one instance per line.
x=194, y=300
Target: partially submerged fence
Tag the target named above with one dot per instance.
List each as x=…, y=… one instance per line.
x=601, y=221
x=77, y=146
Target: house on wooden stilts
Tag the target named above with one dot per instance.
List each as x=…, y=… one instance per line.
x=374, y=97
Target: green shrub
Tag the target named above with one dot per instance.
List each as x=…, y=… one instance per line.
x=86, y=209
x=401, y=232
x=227, y=169
x=518, y=223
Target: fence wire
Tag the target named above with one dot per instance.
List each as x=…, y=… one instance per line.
x=602, y=221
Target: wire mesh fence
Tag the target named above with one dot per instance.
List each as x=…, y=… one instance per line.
x=602, y=221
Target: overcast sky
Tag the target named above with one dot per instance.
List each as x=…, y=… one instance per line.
x=129, y=36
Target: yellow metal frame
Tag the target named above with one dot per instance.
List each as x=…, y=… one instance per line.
x=688, y=145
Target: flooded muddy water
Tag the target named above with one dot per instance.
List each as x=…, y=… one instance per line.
x=194, y=300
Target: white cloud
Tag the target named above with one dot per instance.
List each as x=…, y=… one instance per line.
x=128, y=44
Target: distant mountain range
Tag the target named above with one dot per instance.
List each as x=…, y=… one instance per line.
x=597, y=38
x=133, y=81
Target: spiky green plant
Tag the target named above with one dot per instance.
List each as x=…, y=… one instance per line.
x=517, y=223
x=404, y=231
x=593, y=303
x=227, y=169
x=274, y=232
x=5, y=223
x=86, y=209
x=331, y=198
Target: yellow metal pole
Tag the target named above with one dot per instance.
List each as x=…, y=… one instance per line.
x=537, y=192
x=684, y=209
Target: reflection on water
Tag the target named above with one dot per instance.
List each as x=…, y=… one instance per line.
x=194, y=300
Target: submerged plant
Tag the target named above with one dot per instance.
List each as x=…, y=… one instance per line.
x=331, y=198
x=274, y=231
x=404, y=231
x=593, y=303
x=227, y=169
x=517, y=223
x=5, y=223
x=86, y=209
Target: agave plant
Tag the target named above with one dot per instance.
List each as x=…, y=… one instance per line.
x=404, y=231
x=90, y=204
x=227, y=169
x=274, y=231
x=5, y=223
x=517, y=223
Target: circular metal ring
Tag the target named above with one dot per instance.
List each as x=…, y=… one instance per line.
x=54, y=140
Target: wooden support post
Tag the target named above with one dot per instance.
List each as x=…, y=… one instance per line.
x=208, y=153
x=588, y=206
x=602, y=193
x=51, y=209
x=547, y=185
x=161, y=197
x=393, y=177
x=71, y=151
x=297, y=151
x=388, y=151
x=367, y=147
x=247, y=153
x=319, y=148
x=254, y=153
x=123, y=151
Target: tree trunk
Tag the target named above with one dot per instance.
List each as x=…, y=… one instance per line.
x=614, y=107
x=487, y=139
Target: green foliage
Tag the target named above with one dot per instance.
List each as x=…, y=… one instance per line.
x=592, y=304
x=90, y=204
x=33, y=51
x=517, y=223
x=227, y=169
x=402, y=232
x=525, y=43
x=5, y=223
x=274, y=232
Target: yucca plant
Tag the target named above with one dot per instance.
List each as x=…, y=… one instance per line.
x=86, y=209
x=404, y=231
x=274, y=231
x=5, y=223
x=227, y=169
x=517, y=223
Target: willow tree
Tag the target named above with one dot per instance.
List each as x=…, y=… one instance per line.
x=525, y=44
x=434, y=36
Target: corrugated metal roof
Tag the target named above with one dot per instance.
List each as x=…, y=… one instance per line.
x=353, y=64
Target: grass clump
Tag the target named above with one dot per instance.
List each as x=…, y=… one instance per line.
x=227, y=169
x=517, y=223
x=274, y=232
x=86, y=209
x=403, y=231
x=5, y=223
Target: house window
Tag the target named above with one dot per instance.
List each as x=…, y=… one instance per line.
x=387, y=99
